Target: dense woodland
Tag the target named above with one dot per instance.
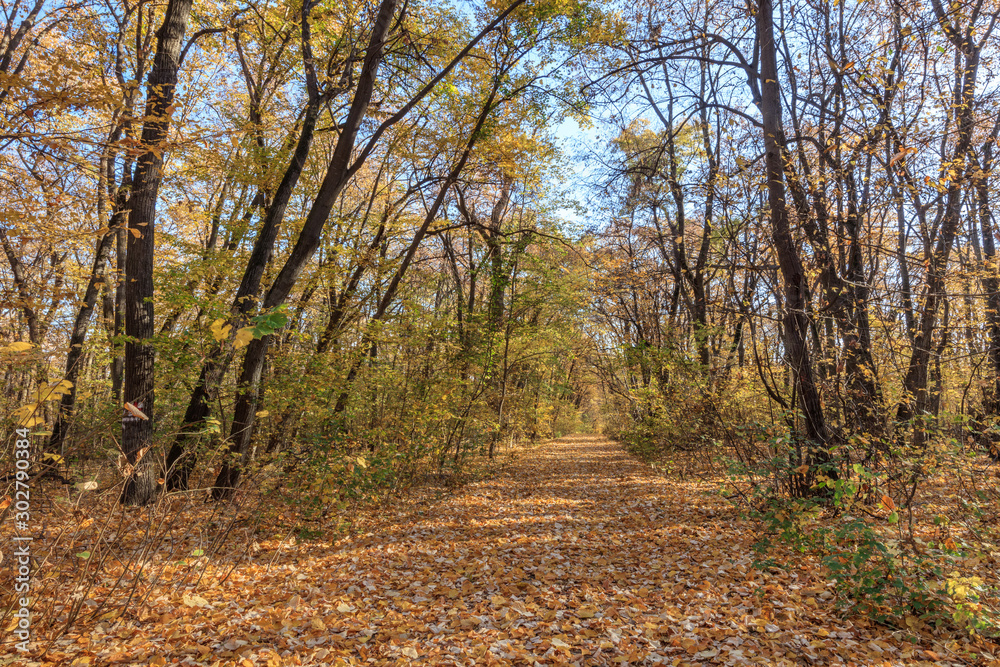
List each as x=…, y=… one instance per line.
x=317, y=253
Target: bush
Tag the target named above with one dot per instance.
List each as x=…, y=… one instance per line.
x=878, y=564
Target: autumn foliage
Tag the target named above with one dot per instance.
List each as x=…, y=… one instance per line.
x=276, y=273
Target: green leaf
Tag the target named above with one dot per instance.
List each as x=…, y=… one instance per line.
x=266, y=324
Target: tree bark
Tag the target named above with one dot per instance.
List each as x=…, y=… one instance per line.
x=990, y=278
x=308, y=240
x=140, y=485
x=917, y=400
x=796, y=321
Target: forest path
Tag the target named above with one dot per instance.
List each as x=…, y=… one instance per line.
x=575, y=554
x=578, y=553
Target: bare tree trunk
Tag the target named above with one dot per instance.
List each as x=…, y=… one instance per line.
x=140, y=486
x=916, y=401
x=333, y=184
x=796, y=321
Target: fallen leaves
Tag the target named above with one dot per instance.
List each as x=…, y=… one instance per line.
x=577, y=555
x=194, y=601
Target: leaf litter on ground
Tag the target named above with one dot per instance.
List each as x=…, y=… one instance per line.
x=576, y=554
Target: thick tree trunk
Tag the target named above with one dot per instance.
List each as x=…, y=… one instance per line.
x=140, y=486
x=990, y=277
x=796, y=321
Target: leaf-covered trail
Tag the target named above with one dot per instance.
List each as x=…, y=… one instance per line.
x=577, y=554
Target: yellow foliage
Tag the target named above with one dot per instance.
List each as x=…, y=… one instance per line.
x=220, y=330
x=243, y=337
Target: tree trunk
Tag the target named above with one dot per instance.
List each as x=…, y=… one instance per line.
x=180, y=460
x=333, y=184
x=140, y=486
x=990, y=279
x=916, y=400
x=796, y=321
x=78, y=336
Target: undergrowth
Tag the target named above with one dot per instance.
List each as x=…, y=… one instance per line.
x=882, y=537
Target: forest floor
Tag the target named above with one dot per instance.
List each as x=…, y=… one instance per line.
x=576, y=553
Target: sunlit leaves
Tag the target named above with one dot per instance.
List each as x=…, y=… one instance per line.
x=220, y=330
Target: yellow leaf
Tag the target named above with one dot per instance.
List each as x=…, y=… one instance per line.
x=54, y=458
x=26, y=415
x=53, y=391
x=220, y=330
x=194, y=601
x=243, y=337
x=19, y=346
x=25, y=410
